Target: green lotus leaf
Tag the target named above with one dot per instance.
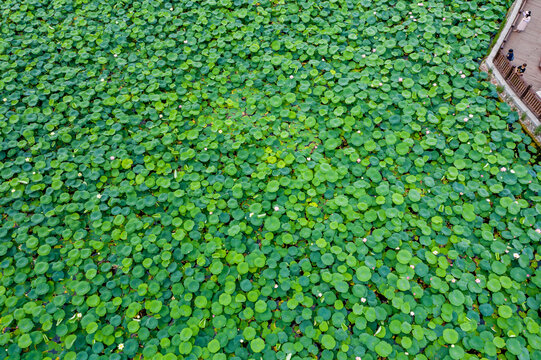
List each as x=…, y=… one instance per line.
x=328, y=341
x=383, y=349
x=450, y=336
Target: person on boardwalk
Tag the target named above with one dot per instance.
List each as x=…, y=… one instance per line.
x=521, y=69
x=510, y=55
x=526, y=17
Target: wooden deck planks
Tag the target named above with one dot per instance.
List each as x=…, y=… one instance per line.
x=527, y=45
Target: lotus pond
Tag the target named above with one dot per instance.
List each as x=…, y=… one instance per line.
x=262, y=180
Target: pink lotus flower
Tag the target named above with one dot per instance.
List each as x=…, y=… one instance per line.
x=112, y=158
x=478, y=281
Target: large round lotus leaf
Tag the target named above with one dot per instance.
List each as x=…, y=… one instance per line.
x=456, y=297
x=383, y=349
x=450, y=336
x=363, y=273
x=257, y=345
x=403, y=256
x=328, y=341
x=272, y=223
x=223, y=179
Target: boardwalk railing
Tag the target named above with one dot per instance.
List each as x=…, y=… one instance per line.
x=517, y=83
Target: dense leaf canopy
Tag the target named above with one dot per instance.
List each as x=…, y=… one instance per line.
x=262, y=179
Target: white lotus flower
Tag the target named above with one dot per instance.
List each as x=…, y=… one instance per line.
x=98, y=196
x=120, y=346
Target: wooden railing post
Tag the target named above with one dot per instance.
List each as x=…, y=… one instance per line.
x=510, y=72
x=525, y=92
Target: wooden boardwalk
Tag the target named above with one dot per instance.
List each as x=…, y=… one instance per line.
x=527, y=45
